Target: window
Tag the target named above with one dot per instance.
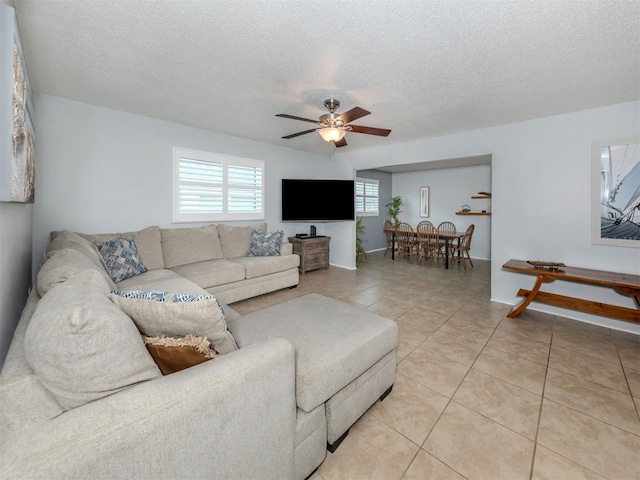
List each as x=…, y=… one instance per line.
x=366, y=197
x=211, y=187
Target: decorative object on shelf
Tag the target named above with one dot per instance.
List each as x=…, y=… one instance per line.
x=394, y=208
x=424, y=202
x=544, y=265
x=466, y=209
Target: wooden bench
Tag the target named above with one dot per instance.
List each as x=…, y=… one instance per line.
x=623, y=283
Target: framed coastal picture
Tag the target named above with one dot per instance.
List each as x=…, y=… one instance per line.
x=615, y=192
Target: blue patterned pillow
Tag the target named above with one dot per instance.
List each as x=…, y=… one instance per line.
x=122, y=258
x=265, y=244
x=160, y=296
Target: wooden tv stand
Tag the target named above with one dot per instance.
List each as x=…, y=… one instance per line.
x=623, y=283
x=313, y=251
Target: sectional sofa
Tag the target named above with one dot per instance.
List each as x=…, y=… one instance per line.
x=213, y=257
x=81, y=396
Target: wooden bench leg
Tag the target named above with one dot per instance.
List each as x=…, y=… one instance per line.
x=634, y=292
x=517, y=310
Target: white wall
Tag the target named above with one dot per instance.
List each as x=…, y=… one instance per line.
x=102, y=170
x=541, y=187
x=449, y=189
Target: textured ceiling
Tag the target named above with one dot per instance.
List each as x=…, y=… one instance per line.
x=423, y=68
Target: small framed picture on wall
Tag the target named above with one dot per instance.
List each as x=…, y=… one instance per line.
x=424, y=202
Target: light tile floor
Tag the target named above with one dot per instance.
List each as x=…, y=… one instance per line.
x=479, y=395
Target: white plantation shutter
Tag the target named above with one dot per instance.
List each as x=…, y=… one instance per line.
x=200, y=186
x=244, y=189
x=211, y=187
x=367, y=197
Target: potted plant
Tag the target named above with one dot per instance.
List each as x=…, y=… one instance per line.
x=394, y=208
x=359, y=242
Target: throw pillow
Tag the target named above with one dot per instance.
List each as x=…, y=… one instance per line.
x=265, y=244
x=176, y=315
x=81, y=346
x=121, y=257
x=175, y=354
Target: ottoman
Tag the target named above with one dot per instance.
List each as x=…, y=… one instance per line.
x=345, y=362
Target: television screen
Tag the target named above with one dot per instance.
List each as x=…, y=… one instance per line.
x=317, y=200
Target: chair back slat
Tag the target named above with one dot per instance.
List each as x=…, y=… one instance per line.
x=447, y=227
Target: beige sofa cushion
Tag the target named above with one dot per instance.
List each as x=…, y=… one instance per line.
x=212, y=273
x=181, y=246
x=148, y=242
x=157, y=314
x=168, y=281
x=235, y=240
x=64, y=264
x=159, y=280
x=77, y=340
x=260, y=266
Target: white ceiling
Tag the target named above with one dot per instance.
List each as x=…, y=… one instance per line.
x=424, y=68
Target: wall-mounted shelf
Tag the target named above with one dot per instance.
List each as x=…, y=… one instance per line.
x=481, y=196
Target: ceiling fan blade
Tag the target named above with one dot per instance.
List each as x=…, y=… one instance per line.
x=300, y=133
x=292, y=117
x=341, y=143
x=353, y=114
x=382, y=132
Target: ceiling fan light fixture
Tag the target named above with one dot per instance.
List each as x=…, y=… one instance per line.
x=331, y=134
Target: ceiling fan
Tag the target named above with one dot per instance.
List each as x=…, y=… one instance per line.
x=333, y=126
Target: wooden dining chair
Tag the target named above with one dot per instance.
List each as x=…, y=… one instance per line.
x=406, y=240
x=387, y=227
x=447, y=227
x=462, y=254
x=428, y=242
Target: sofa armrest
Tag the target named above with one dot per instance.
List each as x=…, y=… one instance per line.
x=232, y=417
x=286, y=248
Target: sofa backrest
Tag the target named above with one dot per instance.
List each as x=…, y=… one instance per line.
x=181, y=246
x=148, y=241
x=235, y=240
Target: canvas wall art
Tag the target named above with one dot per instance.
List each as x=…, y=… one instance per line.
x=616, y=193
x=22, y=178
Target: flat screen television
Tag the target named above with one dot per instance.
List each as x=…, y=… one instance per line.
x=317, y=200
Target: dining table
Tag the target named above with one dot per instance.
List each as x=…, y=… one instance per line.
x=448, y=238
